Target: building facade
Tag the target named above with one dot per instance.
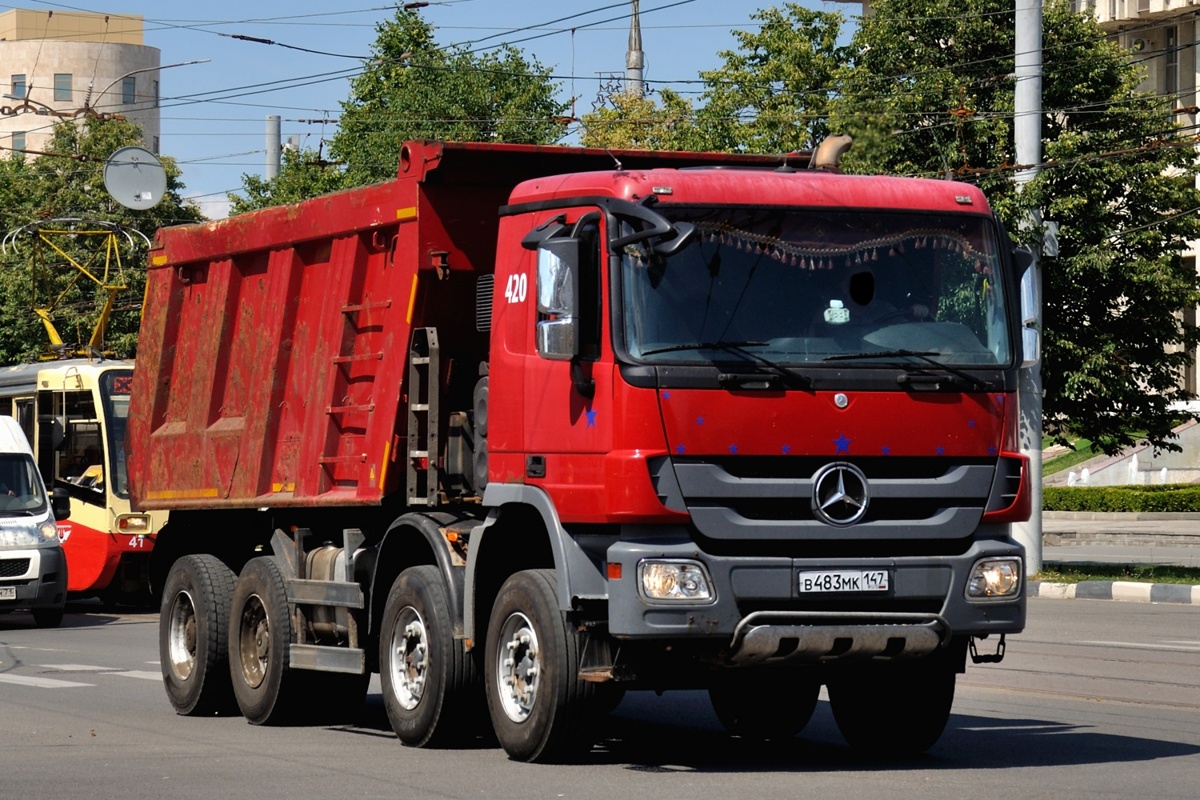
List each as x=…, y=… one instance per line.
x=66, y=64
x=1161, y=37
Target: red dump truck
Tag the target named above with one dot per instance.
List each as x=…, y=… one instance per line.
x=528, y=427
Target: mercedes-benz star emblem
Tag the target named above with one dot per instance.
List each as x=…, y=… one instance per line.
x=840, y=495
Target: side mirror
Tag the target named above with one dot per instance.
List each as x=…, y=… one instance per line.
x=60, y=503
x=558, y=298
x=1022, y=259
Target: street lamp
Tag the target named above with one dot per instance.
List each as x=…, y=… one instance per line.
x=27, y=104
x=87, y=100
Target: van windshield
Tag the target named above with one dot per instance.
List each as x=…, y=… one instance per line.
x=820, y=287
x=21, y=491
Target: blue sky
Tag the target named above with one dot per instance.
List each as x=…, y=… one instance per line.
x=213, y=114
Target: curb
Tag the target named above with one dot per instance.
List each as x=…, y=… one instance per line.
x=1127, y=591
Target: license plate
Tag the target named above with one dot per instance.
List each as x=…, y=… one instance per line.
x=8, y=593
x=844, y=580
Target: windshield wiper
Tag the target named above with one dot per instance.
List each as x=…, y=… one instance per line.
x=959, y=377
x=789, y=377
x=733, y=347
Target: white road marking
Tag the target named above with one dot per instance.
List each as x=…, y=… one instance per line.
x=145, y=675
x=77, y=668
x=41, y=683
x=1145, y=646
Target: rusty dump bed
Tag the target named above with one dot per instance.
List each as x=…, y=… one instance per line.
x=273, y=351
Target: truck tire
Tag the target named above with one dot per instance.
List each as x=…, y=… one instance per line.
x=431, y=687
x=541, y=710
x=192, y=635
x=895, y=712
x=260, y=631
x=765, y=705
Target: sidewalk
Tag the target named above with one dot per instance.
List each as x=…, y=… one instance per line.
x=1070, y=538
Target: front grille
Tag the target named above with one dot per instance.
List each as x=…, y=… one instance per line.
x=13, y=567
x=770, y=499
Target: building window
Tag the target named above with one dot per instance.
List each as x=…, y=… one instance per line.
x=128, y=84
x=18, y=87
x=62, y=87
x=154, y=144
x=18, y=140
x=154, y=85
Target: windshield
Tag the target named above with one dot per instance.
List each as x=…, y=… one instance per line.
x=115, y=389
x=20, y=487
x=843, y=288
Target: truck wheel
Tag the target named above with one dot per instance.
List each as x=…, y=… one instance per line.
x=774, y=705
x=430, y=683
x=192, y=635
x=540, y=709
x=259, y=634
x=48, y=617
x=894, y=712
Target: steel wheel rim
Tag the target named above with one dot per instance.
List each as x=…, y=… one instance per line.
x=181, y=636
x=518, y=667
x=254, y=636
x=409, y=648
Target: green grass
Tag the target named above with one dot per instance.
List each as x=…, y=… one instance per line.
x=1140, y=573
x=1082, y=452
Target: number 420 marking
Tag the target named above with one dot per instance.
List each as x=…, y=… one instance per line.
x=515, y=289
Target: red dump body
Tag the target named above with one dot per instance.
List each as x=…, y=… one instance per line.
x=297, y=401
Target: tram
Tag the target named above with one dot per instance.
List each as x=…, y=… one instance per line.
x=73, y=412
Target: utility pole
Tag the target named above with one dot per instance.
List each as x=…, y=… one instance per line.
x=635, y=59
x=1027, y=135
x=273, y=147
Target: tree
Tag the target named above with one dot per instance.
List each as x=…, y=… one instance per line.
x=930, y=92
x=68, y=183
x=412, y=88
x=771, y=94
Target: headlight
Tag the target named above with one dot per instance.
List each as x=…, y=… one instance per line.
x=675, y=581
x=995, y=578
x=133, y=523
x=28, y=535
x=48, y=532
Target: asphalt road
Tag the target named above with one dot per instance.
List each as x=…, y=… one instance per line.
x=1095, y=699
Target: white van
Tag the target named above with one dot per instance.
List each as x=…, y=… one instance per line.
x=33, y=569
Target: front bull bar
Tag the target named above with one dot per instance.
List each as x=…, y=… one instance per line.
x=777, y=637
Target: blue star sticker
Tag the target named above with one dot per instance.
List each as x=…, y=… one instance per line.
x=699, y=420
x=887, y=451
x=787, y=448
x=591, y=417
x=666, y=395
x=971, y=423
x=679, y=448
x=991, y=451
x=941, y=451
x=842, y=443
x=733, y=448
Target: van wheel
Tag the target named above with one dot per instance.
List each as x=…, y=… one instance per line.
x=192, y=635
x=765, y=705
x=541, y=710
x=431, y=687
x=264, y=683
x=48, y=617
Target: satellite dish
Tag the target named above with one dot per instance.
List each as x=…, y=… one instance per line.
x=135, y=178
